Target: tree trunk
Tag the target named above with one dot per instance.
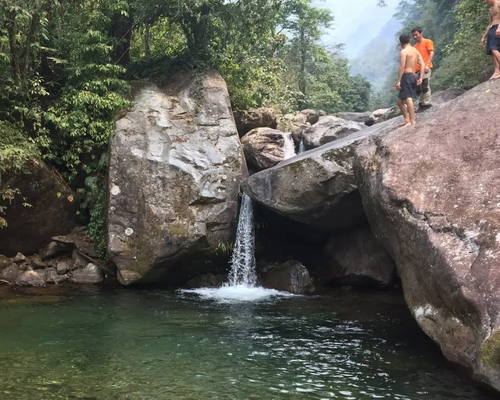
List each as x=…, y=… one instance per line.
x=14, y=48
x=121, y=31
x=147, y=37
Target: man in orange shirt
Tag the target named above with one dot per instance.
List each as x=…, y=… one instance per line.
x=426, y=49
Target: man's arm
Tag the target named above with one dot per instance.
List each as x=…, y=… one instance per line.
x=422, y=67
x=402, y=65
x=487, y=29
x=431, y=56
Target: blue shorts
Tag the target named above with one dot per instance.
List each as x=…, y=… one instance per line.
x=493, y=41
x=408, y=85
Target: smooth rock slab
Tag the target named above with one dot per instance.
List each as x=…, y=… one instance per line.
x=432, y=196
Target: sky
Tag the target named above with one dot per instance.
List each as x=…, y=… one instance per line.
x=356, y=22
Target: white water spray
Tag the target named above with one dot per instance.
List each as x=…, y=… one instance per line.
x=288, y=146
x=302, y=147
x=243, y=259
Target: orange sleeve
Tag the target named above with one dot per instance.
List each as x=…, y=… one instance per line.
x=430, y=45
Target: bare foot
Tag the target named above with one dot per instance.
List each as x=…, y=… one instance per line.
x=496, y=75
x=405, y=123
x=408, y=123
x=413, y=122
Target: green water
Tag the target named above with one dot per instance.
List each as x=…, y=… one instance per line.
x=98, y=343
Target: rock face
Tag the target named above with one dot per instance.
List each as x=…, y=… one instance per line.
x=328, y=129
x=316, y=187
x=357, y=259
x=175, y=167
x=446, y=95
x=360, y=117
x=265, y=147
x=431, y=193
x=259, y=118
x=291, y=277
x=52, y=209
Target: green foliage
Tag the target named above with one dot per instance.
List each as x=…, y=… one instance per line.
x=97, y=224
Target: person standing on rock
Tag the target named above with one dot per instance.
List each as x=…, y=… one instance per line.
x=492, y=36
x=407, y=80
x=426, y=48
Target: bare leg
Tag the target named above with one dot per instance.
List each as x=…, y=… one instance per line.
x=495, y=55
x=404, y=111
x=411, y=110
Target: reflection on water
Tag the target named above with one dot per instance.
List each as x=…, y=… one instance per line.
x=137, y=344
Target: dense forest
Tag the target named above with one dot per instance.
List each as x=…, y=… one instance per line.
x=65, y=67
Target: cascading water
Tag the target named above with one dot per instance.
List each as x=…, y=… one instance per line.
x=288, y=146
x=243, y=259
x=302, y=148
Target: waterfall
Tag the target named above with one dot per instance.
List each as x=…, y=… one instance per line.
x=243, y=259
x=288, y=146
x=302, y=148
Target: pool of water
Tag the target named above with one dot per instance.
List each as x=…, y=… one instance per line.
x=99, y=343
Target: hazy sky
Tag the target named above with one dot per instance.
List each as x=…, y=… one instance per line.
x=356, y=21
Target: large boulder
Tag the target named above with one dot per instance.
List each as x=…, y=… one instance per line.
x=51, y=208
x=316, y=187
x=443, y=96
x=328, y=129
x=356, y=258
x=265, y=147
x=290, y=276
x=261, y=117
x=361, y=117
x=175, y=168
x=431, y=194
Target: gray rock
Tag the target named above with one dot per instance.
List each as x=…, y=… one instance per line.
x=11, y=273
x=430, y=192
x=328, y=129
x=357, y=259
x=258, y=118
x=175, y=167
x=444, y=96
x=290, y=276
x=316, y=187
x=54, y=277
x=80, y=240
x=311, y=116
x=19, y=258
x=4, y=262
x=53, y=249
x=360, y=117
x=36, y=262
x=32, y=278
x=375, y=115
x=63, y=266
x=90, y=274
x=265, y=147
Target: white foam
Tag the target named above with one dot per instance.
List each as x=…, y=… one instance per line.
x=238, y=293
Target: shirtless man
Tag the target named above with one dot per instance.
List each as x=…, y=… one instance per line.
x=407, y=80
x=492, y=36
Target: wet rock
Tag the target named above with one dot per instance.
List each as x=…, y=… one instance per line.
x=356, y=258
x=11, y=273
x=19, y=258
x=4, y=262
x=431, y=195
x=31, y=278
x=290, y=276
x=90, y=274
x=258, y=118
x=328, y=129
x=206, y=280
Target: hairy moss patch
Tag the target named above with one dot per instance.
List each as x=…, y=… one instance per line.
x=490, y=350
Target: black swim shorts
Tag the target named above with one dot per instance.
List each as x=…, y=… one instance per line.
x=493, y=41
x=408, y=85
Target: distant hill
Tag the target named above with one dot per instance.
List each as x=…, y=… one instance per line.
x=377, y=59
